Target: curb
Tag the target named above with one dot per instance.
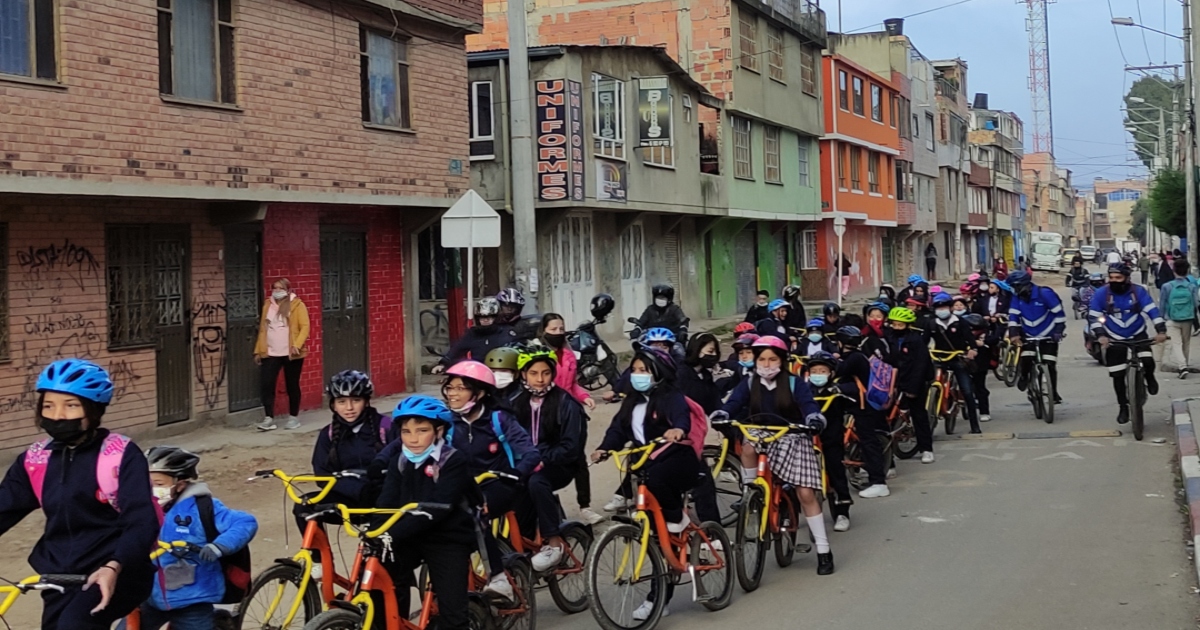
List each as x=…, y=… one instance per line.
x=1189, y=467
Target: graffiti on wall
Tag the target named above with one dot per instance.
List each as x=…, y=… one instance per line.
x=69, y=259
x=124, y=377
x=33, y=355
x=208, y=341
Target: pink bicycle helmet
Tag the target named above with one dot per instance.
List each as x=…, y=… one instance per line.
x=973, y=277
x=937, y=288
x=473, y=370
x=770, y=341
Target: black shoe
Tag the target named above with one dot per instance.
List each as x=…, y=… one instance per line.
x=1123, y=415
x=1057, y=399
x=1151, y=385
x=1023, y=382
x=825, y=563
x=976, y=431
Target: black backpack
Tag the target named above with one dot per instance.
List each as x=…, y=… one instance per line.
x=235, y=566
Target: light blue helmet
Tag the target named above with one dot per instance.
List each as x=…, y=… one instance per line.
x=775, y=305
x=658, y=334
x=1004, y=286
x=77, y=378
x=915, y=279
x=421, y=406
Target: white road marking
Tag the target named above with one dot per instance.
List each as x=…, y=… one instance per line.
x=1059, y=455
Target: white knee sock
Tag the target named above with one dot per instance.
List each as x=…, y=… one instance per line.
x=749, y=475
x=816, y=525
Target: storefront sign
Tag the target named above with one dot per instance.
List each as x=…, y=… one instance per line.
x=575, y=110
x=654, y=112
x=611, y=182
x=559, y=140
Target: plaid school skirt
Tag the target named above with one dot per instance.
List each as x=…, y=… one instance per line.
x=793, y=460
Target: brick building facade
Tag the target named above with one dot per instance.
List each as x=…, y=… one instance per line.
x=159, y=170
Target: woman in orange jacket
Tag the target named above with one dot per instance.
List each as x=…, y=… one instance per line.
x=281, y=346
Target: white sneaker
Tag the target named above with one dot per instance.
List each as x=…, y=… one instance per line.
x=715, y=545
x=842, y=524
x=267, y=424
x=875, y=491
x=317, y=572
x=618, y=503
x=500, y=587
x=292, y=423
x=891, y=473
x=676, y=528
x=590, y=516
x=547, y=558
x=985, y=417
x=643, y=612
x=927, y=457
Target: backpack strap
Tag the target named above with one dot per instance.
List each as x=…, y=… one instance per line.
x=503, y=439
x=385, y=425
x=37, y=458
x=108, y=467
x=208, y=517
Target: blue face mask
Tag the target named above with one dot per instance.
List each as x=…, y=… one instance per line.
x=416, y=458
x=642, y=382
x=746, y=364
x=819, y=380
x=816, y=337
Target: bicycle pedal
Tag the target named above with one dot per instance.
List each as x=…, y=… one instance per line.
x=803, y=547
x=699, y=593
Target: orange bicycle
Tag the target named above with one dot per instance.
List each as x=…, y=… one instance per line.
x=284, y=595
x=565, y=582
x=620, y=583
x=945, y=400
x=368, y=577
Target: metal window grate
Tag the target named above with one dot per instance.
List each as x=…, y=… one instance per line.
x=131, y=297
x=748, y=31
x=743, y=166
x=771, y=154
x=4, y=292
x=775, y=54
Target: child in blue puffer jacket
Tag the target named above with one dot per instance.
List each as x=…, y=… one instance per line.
x=186, y=588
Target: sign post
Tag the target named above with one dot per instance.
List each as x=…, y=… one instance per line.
x=471, y=223
x=839, y=228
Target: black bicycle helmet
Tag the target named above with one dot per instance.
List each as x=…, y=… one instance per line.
x=821, y=358
x=350, y=384
x=1122, y=268
x=173, y=461
x=831, y=308
x=849, y=336
x=791, y=292
x=663, y=290
x=660, y=363
x=1019, y=279
x=975, y=321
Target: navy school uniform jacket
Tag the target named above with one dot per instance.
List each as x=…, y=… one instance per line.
x=355, y=450
x=738, y=405
x=699, y=386
x=478, y=441
x=474, y=345
x=666, y=410
x=804, y=348
x=955, y=335
x=853, y=370
x=914, y=367
x=444, y=477
x=775, y=328
x=562, y=427
x=756, y=314
x=81, y=533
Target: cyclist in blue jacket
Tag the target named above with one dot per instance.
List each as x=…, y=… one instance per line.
x=1120, y=311
x=1035, y=312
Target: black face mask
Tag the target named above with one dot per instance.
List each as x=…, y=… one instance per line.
x=1119, y=288
x=709, y=361
x=484, y=330
x=67, y=431
x=555, y=340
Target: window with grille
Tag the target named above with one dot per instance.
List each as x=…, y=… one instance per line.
x=4, y=293
x=843, y=94
x=27, y=34
x=775, y=54
x=873, y=171
x=808, y=70
x=130, y=267
x=743, y=165
x=608, y=116
x=663, y=156
x=808, y=249
x=483, y=134
x=748, y=31
x=858, y=96
x=771, y=154
x=802, y=154
x=856, y=168
x=195, y=49
x=386, y=99
x=876, y=103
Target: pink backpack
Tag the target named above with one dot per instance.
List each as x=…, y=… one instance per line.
x=108, y=467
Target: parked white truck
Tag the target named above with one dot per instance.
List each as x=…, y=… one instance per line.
x=1045, y=250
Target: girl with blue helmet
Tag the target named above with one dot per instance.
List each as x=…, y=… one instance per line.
x=99, y=525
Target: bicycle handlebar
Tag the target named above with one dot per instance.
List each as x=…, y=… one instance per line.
x=415, y=509
x=327, y=482
x=495, y=474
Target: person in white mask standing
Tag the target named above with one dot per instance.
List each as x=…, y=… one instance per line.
x=282, y=345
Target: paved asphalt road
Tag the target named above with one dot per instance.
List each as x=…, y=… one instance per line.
x=1068, y=533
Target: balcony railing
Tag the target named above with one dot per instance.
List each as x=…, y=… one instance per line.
x=803, y=15
x=947, y=88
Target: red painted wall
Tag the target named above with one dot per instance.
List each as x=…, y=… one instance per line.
x=292, y=250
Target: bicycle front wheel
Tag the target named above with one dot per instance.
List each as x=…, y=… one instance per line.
x=1010, y=366
x=751, y=544
x=1136, y=386
x=270, y=597
x=713, y=566
x=1035, y=395
x=728, y=481
x=568, y=583
x=904, y=436
x=614, y=591
x=933, y=404
x=1046, y=391
x=336, y=619
x=522, y=615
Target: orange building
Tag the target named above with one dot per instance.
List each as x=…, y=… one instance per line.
x=858, y=169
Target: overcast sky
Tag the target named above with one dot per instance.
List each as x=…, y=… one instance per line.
x=1087, y=67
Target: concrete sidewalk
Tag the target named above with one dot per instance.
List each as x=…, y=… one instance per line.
x=1186, y=413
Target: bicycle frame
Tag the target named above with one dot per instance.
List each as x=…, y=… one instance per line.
x=508, y=528
x=368, y=574
x=941, y=377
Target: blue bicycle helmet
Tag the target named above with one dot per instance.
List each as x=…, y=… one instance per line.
x=1004, y=286
x=1122, y=268
x=422, y=406
x=775, y=305
x=658, y=334
x=915, y=279
x=77, y=378
x=1018, y=279
x=815, y=322
x=942, y=298
x=877, y=306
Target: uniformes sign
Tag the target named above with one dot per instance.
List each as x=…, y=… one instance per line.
x=559, y=140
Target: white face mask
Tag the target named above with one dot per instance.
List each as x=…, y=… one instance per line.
x=660, y=302
x=279, y=294
x=503, y=379
x=162, y=494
